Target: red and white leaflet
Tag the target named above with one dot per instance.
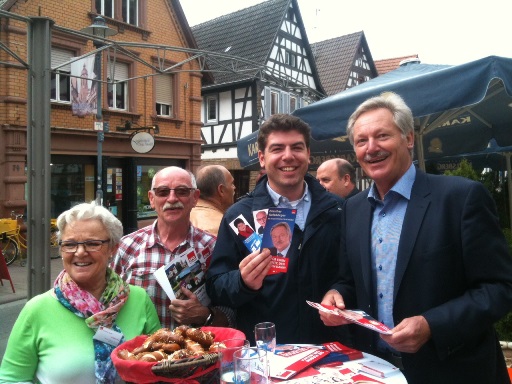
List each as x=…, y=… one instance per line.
x=354, y=316
x=286, y=364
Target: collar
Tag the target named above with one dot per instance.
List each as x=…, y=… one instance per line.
x=277, y=198
x=202, y=203
x=402, y=187
x=157, y=240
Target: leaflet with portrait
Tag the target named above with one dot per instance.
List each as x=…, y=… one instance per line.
x=354, y=316
x=277, y=236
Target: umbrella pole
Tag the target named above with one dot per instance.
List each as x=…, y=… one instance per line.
x=419, y=144
x=509, y=184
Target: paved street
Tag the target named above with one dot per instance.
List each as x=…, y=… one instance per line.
x=12, y=303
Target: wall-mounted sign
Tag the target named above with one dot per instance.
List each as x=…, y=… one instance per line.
x=143, y=142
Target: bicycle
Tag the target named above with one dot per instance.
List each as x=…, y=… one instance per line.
x=12, y=241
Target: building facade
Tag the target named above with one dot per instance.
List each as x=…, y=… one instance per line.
x=278, y=76
x=146, y=87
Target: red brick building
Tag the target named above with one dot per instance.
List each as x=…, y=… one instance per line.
x=137, y=96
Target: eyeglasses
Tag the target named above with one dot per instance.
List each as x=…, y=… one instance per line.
x=166, y=191
x=89, y=245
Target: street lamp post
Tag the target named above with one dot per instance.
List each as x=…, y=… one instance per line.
x=99, y=28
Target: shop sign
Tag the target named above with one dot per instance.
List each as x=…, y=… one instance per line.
x=142, y=142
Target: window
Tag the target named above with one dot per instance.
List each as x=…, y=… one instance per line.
x=164, y=91
x=117, y=93
x=293, y=103
x=105, y=7
x=211, y=109
x=130, y=11
x=145, y=174
x=291, y=59
x=127, y=11
x=60, y=82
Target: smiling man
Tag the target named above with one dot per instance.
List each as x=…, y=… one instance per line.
x=424, y=254
x=173, y=194
x=239, y=279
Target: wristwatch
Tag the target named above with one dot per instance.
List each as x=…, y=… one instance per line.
x=210, y=318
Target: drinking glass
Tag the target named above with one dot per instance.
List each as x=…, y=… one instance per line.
x=265, y=336
x=227, y=366
x=251, y=366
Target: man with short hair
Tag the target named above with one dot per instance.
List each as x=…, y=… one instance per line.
x=281, y=235
x=338, y=176
x=239, y=278
x=424, y=254
x=173, y=194
x=261, y=218
x=217, y=188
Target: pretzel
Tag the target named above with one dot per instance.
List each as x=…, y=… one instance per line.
x=153, y=356
x=126, y=355
x=180, y=343
x=205, y=338
x=194, y=347
x=216, y=346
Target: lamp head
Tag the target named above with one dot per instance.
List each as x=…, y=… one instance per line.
x=99, y=28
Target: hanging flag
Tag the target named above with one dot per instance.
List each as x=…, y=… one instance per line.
x=83, y=88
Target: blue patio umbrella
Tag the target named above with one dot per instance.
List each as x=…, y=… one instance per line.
x=458, y=109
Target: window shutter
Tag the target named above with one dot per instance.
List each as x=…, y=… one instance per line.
x=268, y=103
x=60, y=56
x=286, y=103
x=163, y=89
x=119, y=71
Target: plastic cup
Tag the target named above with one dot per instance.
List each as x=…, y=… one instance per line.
x=251, y=366
x=227, y=366
x=265, y=336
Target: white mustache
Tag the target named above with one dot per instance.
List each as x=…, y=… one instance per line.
x=370, y=157
x=174, y=205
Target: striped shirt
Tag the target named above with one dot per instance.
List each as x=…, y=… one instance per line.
x=141, y=253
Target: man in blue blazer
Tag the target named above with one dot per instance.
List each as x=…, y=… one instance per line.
x=423, y=254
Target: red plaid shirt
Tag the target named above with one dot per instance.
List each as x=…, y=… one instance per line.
x=141, y=253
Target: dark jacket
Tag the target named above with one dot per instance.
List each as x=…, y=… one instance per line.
x=453, y=267
x=312, y=269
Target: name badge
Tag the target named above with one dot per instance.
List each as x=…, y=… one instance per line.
x=108, y=335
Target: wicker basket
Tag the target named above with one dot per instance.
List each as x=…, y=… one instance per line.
x=202, y=369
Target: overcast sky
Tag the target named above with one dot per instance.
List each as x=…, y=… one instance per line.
x=439, y=31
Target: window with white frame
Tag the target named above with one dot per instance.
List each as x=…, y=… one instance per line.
x=127, y=10
x=105, y=8
x=163, y=91
x=211, y=109
x=131, y=11
x=117, y=89
x=60, y=81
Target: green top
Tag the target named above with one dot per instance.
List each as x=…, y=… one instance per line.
x=51, y=344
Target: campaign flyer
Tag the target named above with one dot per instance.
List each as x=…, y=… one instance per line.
x=277, y=237
x=246, y=233
x=355, y=316
x=287, y=363
x=188, y=270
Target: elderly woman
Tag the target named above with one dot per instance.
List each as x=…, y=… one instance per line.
x=66, y=335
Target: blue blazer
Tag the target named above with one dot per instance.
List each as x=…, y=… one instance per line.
x=453, y=267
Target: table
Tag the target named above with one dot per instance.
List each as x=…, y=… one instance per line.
x=394, y=378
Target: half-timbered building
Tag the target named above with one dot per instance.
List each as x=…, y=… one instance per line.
x=344, y=62
x=278, y=75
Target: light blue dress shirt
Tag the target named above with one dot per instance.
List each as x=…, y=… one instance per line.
x=387, y=220
x=302, y=205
